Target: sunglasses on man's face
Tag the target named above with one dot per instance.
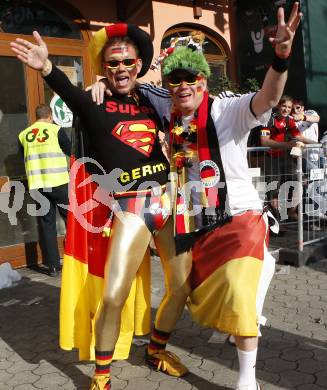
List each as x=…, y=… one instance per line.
x=128, y=63
x=190, y=79
x=297, y=107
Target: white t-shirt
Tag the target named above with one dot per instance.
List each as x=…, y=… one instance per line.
x=310, y=130
x=233, y=120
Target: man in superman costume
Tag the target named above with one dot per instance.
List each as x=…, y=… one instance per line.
x=105, y=281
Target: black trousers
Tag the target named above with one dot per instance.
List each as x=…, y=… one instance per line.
x=47, y=222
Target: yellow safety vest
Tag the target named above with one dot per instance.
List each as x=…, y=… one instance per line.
x=45, y=162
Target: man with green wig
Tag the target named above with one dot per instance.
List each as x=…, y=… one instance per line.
x=218, y=212
x=219, y=218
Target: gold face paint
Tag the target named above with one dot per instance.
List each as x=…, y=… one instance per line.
x=129, y=64
x=126, y=252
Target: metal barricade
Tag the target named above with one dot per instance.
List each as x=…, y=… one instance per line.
x=314, y=181
x=297, y=187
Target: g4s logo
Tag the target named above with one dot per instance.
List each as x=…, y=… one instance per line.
x=38, y=135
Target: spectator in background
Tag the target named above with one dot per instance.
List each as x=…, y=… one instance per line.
x=281, y=134
x=307, y=122
x=45, y=145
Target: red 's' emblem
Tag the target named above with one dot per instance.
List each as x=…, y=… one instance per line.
x=140, y=135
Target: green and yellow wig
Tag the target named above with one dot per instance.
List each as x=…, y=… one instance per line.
x=184, y=58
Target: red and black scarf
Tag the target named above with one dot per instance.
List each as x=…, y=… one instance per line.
x=212, y=178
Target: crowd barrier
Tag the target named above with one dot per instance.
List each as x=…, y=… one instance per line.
x=297, y=186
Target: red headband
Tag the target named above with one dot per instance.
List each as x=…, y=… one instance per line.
x=116, y=30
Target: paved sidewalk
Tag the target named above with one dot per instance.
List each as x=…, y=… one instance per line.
x=292, y=354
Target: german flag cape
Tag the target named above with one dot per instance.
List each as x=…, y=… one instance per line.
x=83, y=268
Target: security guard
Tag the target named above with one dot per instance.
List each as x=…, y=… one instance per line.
x=45, y=145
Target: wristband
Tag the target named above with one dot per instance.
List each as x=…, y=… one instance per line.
x=47, y=68
x=280, y=65
x=282, y=53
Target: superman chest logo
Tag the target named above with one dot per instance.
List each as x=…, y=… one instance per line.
x=140, y=135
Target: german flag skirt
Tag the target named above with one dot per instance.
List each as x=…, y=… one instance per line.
x=227, y=264
x=83, y=272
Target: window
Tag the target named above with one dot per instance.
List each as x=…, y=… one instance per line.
x=13, y=116
x=23, y=89
x=25, y=16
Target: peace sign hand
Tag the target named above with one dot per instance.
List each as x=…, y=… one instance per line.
x=33, y=55
x=286, y=31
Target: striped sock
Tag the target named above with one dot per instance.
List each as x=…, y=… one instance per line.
x=158, y=341
x=102, y=362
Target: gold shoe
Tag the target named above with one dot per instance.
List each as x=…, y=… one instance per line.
x=167, y=362
x=100, y=382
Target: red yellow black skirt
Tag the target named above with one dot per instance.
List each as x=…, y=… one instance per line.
x=227, y=264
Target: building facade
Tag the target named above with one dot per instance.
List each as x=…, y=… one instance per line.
x=236, y=47
x=67, y=26
x=307, y=78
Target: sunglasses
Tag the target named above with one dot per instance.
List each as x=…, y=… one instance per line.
x=176, y=81
x=129, y=63
x=297, y=107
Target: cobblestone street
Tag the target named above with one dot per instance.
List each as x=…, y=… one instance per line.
x=292, y=353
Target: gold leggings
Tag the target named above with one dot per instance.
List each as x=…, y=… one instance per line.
x=128, y=244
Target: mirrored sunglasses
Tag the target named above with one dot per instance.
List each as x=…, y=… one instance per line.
x=190, y=79
x=129, y=63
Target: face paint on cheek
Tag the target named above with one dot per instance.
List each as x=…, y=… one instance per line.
x=199, y=90
x=133, y=72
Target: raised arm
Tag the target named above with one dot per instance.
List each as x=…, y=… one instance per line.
x=306, y=140
x=268, y=142
x=275, y=80
x=311, y=117
x=158, y=97
x=307, y=116
x=35, y=55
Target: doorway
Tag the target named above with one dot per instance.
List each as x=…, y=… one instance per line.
x=22, y=90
